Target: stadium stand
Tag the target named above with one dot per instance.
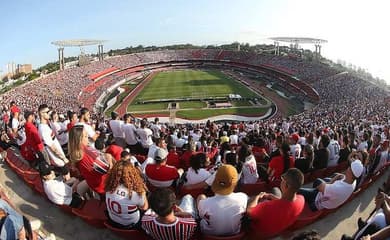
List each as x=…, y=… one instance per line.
x=347, y=106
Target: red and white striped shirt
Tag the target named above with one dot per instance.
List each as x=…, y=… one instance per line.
x=181, y=229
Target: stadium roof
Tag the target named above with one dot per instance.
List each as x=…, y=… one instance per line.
x=77, y=42
x=299, y=40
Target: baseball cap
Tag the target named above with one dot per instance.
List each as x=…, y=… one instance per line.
x=160, y=154
x=357, y=168
x=225, y=180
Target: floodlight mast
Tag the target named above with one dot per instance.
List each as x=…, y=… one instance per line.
x=77, y=43
x=295, y=41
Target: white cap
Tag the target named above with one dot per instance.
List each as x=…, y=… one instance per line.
x=357, y=168
x=160, y=154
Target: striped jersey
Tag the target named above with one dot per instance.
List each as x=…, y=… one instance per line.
x=181, y=229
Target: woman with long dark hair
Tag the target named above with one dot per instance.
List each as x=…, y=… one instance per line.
x=249, y=168
x=92, y=164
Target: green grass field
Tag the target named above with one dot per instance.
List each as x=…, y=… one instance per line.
x=190, y=84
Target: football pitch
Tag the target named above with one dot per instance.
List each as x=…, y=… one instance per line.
x=192, y=84
x=187, y=88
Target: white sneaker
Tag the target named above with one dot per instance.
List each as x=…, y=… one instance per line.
x=35, y=224
x=3, y=155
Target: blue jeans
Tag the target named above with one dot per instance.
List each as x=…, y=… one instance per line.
x=310, y=194
x=13, y=222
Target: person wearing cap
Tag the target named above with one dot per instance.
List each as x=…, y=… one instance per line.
x=332, y=192
x=224, y=138
x=272, y=213
x=159, y=174
x=221, y=215
x=58, y=191
x=51, y=143
x=295, y=147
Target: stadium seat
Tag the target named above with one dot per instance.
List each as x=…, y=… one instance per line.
x=342, y=166
x=366, y=184
x=13, y=161
x=140, y=158
x=319, y=173
x=275, y=183
x=66, y=209
x=330, y=170
x=127, y=233
x=376, y=176
x=308, y=177
x=255, y=188
x=92, y=212
x=193, y=192
x=239, y=236
x=326, y=212
x=31, y=178
x=306, y=217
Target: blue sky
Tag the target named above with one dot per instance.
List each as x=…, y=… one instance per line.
x=355, y=29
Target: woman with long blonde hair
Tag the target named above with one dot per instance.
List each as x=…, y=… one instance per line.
x=92, y=164
x=125, y=195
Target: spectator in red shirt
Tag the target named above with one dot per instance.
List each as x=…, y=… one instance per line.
x=173, y=157
x=160, y=174
x=280, y=164
x=13, y=108
x=112, y=148
x=185, y=158
x=93, y=165
x=72, y=120
x=268, y=218
x=33, y=149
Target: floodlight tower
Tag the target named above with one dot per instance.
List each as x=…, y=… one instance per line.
x=77, y=43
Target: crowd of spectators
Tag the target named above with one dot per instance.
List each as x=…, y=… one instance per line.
x=352, y=117
x=63, y=89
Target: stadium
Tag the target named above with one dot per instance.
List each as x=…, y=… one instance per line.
x=206, y=94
